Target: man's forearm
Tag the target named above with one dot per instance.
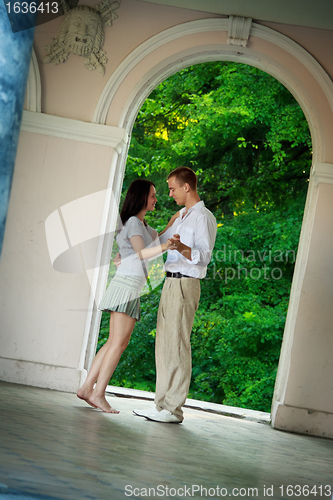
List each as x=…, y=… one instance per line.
x=184, y=250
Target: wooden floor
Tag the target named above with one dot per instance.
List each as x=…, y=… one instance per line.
x=54, y=445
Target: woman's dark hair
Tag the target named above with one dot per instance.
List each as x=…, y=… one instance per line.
x=136, y=198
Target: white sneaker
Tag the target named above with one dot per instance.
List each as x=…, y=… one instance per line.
x=145, y=413
x=158, y=416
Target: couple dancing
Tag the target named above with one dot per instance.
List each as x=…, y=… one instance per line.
x=189, y=239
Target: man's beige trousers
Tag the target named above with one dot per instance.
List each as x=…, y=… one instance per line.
x=178, y=304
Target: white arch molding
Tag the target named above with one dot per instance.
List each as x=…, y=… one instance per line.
x=169, y=64
x=201, y=54
x=34, y=89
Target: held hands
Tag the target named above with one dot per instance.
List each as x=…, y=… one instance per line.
x=175, y=243
x=172, y=243
x=180, y=247
x=167, y=245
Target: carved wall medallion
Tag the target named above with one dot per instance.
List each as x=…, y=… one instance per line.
x=82, y=34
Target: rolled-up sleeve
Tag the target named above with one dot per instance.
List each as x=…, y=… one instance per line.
x=201, y=252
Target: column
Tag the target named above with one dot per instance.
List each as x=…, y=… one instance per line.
x=303, y=397
x=16, y=36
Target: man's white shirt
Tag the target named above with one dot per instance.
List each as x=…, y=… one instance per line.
x=197, y=230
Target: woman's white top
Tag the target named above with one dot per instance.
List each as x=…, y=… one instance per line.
x=131, y=265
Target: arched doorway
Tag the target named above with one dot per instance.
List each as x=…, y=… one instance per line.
x=297, y=403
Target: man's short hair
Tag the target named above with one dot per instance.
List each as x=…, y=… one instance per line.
x=185, y=175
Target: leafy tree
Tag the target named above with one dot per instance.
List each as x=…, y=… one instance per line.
x=236, y=126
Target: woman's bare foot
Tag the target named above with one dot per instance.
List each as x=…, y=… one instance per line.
x=101, y=403
x=82, y=393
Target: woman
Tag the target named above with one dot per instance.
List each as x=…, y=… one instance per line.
x=122, y=296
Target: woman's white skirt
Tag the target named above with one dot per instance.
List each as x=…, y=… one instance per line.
x=123, y=295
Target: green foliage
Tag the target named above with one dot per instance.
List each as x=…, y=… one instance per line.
x=236, y=126
x=238, y=328
x=248, y=141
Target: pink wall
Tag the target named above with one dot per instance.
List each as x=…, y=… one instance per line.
x=69, y=89
x=317, y=42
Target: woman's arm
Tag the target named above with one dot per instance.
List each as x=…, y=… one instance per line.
x=171, y=221
x=149, y=252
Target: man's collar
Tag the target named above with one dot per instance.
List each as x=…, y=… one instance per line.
x=197, y=206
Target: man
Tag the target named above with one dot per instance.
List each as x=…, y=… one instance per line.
x=193, y=235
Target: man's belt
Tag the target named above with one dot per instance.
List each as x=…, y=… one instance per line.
x=176, y=275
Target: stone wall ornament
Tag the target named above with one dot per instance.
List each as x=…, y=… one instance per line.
x=82, y=34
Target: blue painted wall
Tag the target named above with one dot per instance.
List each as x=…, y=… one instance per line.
x=15, y=52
